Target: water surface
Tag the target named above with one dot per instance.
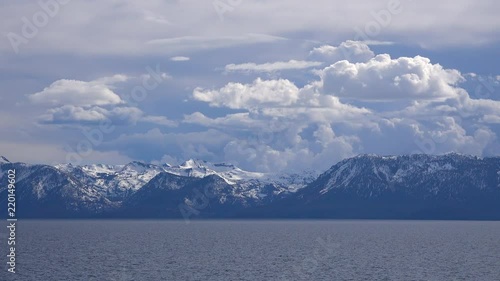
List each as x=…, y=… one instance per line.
x=256, y=250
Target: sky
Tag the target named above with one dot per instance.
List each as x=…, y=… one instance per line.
x=282, y=85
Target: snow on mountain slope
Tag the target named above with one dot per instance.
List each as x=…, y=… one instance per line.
x=114, y=181
x=246, y=184
x=201, y=169
x=366, y=186
x=370, y=175
x=117, y=182
x=44, y=188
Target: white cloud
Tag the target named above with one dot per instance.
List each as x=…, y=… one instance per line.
x=377, y=43
x=237, y=96
x=186, y=43
x=179, y=58
x=77, y=103
x=79, y=93
x=111, y=80
x=383, y=78
x=353, y=51
x=449, y=136
x=276, y=134
x=69, y=114
x=425, y=22
x=76, y=115
x=278, y=98
x=159, y=120
x=360, y=103
x=230, y=120
x=289, y=151
x=492, y=119
x=159, y=75
x=272, y=66
x=292, y=128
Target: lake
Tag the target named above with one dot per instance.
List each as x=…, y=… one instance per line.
x=255, y=250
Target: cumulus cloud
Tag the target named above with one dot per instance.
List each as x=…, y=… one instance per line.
x=69, y=114
x=272, y=66
x=353, y=51
x=262, y=92
x=289, y=150
x=445, y=134
x=359, y=102
x=74, y=114
x=274, y=97
x=73, y=102
x=286, y=127
x=382, y=78
x=290, y=130
x=79, y=93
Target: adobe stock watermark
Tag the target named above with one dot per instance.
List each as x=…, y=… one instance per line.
x=32, y=25
x=3, y=233
x=486, y=88
x=95, y=137
x=265, y=136
x=223, y=6
x=380, y=19
x=120, y=272
x=194, y=206
x=324, y=250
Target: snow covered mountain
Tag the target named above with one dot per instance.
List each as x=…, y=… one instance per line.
x=93, y=189
x=449, y=186
x=117, y=182
x=427, y=175
x=44, y=191
x=250, y=184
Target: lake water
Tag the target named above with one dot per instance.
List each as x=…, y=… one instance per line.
x=255, y=250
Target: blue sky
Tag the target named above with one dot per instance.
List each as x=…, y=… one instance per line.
x=266, y=85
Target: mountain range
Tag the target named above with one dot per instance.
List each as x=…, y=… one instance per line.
x=451, y=186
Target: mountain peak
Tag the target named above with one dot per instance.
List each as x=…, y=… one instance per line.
x=193, y=163
x=226, y=165
x=137, y=163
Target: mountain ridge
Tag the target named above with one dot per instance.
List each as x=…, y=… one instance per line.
x=419, y=186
